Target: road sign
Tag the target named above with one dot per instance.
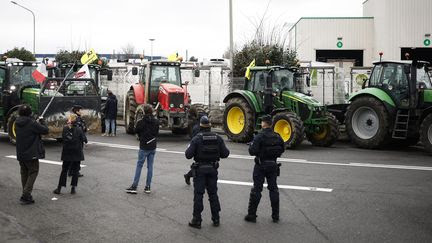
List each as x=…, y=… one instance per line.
x=427, y=42
x=339, y=44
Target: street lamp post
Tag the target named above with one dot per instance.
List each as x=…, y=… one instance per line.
x=231, y=39
x=34, y=25
x=151, y=48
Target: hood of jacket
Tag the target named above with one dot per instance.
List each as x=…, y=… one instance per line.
x=21, y=121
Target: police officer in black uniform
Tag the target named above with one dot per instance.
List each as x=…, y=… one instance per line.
x=207, y=148
x=267, y=146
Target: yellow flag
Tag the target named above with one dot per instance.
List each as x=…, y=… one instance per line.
x=89, y=57
x=248, y=72
x=173, y=57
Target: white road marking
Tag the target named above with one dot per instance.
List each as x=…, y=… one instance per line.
x=301, y=188
x=44, y=161
x=287, y=160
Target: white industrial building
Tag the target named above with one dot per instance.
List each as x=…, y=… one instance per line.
x=393, y=27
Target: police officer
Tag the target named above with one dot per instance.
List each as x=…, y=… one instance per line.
x=267, y=146
x=207, y=148
x=195, y=130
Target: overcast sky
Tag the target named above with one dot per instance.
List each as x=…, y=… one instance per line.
x=200, y=26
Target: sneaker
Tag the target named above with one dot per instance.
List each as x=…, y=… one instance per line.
x=27, y=200
x=250, y=218
x=104, y=134
x=132, y=190
x=147, y=189
x=187, y=179
x=57, y=191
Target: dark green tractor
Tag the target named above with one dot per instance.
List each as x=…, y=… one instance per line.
x=393, y=108
x=272, y=90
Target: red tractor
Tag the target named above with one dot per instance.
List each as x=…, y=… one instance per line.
x=160, y=86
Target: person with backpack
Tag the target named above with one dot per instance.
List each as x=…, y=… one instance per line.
x=76, y=109
x=72, y=153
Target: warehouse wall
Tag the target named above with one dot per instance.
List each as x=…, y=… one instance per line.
x=311, y=34
x=399, y=23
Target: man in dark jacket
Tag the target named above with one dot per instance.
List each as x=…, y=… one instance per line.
x=72, y=153
x=267, y=146
x=29, y=149
x=195, y=130
x=147, y=129
x=76, y=109
x=206, y=148
x=110, y=115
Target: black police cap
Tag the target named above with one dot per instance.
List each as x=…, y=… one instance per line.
x=266, y=118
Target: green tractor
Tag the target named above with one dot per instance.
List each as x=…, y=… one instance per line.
x=393, y=108
x=17, y=86
x=272, y=90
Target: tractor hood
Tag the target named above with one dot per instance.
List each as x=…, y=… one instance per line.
x=308, y=100
x=170, y=88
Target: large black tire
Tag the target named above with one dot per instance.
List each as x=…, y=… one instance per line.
x=426, y=133
x=131, y=107
x=290, y=127
x=363, y=130
x=198, y=108
x=244, y=130
x=11, y=127
x=328, y=133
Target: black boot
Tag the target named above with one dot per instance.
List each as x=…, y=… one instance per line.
x=57, y=190
x=73, y=190
x=195, y=223
x=187, y=179
x=250, y=218
x=26, y=199
x=216, y=222
x=275, y=210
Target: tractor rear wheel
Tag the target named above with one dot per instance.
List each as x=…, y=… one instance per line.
x=131, y=107
x=367, y=123
x=426, y=133
x=290, y=127
x=239, y=121
x=327, y=134
x=11, y=127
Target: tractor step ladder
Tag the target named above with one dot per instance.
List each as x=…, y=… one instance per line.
x=400, y=129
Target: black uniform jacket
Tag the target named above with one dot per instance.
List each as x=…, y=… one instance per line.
x=28, y=138
x=258, y=142
x=191, y=151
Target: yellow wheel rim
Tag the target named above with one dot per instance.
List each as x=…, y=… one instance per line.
x=284, y=129
x=321, y=134
x=235, y=120
x=14, y=130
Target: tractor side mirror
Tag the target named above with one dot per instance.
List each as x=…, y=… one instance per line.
x=197, y=73
x=364, y=83
x=308, y=81
x=109, y=75
x=134, y=71
x=422, y=86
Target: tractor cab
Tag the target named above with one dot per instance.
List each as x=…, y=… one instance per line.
x=95, y=72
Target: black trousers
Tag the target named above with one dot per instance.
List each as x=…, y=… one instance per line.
x=29, y=172
x=74, y=168
x=206, y=179
x=261, y=172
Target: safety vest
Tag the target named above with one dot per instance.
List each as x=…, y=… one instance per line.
x=208, y=148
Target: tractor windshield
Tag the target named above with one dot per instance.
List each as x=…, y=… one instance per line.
x=73, y=87
x=165, y=74
x=423, y=76
x=21, y=75
x=283, y=80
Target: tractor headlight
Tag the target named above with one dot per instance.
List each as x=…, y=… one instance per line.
x=181, y=105
x=12, y=88
x=172, y=105
x=390, y=87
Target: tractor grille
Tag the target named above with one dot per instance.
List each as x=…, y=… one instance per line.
x=175, y=100
x=304, y=111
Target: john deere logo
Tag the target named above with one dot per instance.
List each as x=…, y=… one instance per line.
x=427, y=42
x=339, y=44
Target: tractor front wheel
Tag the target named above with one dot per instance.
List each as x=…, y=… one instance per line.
x=327, y=134
x=290, y=127
x=426, y=133
x=239, y=121
x=131, y=107
x=367, y=123
x=12, y=127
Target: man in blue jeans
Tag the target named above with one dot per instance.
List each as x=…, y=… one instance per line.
x=147, y=129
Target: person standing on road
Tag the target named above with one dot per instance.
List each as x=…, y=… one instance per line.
x=110, y=115
x=147, y=129
x=206, y=148
x=195, y=130
x=76, y=109
x=267, y=146
x=29, y=149
x=72, y=153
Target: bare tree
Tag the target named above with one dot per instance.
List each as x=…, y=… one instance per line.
x=128, y=50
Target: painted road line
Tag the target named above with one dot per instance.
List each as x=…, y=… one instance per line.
x=301, y=188
x=286, y=160
x=44, y=161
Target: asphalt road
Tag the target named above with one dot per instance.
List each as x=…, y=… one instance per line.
x=338, y=194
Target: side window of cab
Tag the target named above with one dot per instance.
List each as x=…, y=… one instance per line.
x=2, y=78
